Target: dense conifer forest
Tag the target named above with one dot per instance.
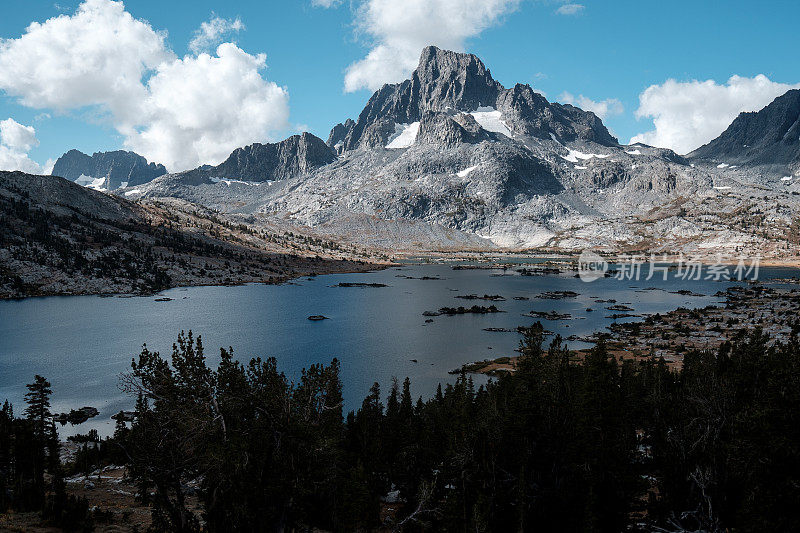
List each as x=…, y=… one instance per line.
x=556, y=446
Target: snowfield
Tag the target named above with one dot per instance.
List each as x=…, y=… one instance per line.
x=575, y=155
x=404, y=135
x=98, y=184
x=229, y=181
x=489, y=119
x=466, y=172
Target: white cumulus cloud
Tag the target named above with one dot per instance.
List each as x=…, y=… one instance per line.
x=95, y=57
x=15, y=135
x=16, y=140
x=200, y=108
x=399, y=29
x=603, y=109
x=211, y=33
x=181, y=112
x=689, y=114
x=570, y=9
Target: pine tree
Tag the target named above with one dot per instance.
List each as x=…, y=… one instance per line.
x=406, y=406
x=38, y=400
x=45, y=452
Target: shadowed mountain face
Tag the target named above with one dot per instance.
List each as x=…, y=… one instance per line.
x=269, y=162
x=112, y=169
x=767, y=137
x=448, y=81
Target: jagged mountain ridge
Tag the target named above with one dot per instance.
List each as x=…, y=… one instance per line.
x=291, y=157
x=428, y=153
x=110, y=169
x=445, y=81
x=769, y=137
x=259, y=163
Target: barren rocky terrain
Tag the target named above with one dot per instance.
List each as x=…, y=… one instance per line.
x=60, y=238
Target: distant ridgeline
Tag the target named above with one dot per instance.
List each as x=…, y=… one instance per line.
x=107, y=170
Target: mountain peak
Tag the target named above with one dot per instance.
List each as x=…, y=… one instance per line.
x=452, y=79
x=275, y=161
x=437, y=61
x=447, y=82
x=117, y=167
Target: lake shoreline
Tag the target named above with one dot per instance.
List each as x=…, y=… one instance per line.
x=500, y=257
x=351, y=267
x=673, y=334
x=565, y=262
x=376, y=333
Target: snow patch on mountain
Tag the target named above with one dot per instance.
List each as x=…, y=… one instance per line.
x=489, y=119
x=404, y=135
x=98, y=184
x=466, y=172
x=575, y=155
x=229, y=181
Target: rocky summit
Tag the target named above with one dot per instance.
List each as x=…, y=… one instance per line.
x=449, y=159
x=107, y=170
x=448, y=81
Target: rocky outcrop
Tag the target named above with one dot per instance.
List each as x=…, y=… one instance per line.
x=338, y=133
x=767, y=137
x=292, y=157
x=450, y=130
x=117, y=168
x=529, y=113
x=448, y=81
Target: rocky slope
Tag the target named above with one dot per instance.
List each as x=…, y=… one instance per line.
x=107, y=170
x=57, y=237
x=770, y=138
x=450, y=159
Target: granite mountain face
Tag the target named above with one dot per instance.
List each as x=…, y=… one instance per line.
x=450, y=159
x=295, y=156
x=448, y=81
x=107, y=170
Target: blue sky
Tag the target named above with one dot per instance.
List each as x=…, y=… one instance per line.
x=613, y=49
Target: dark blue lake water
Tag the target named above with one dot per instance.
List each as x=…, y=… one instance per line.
x=83, y=343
